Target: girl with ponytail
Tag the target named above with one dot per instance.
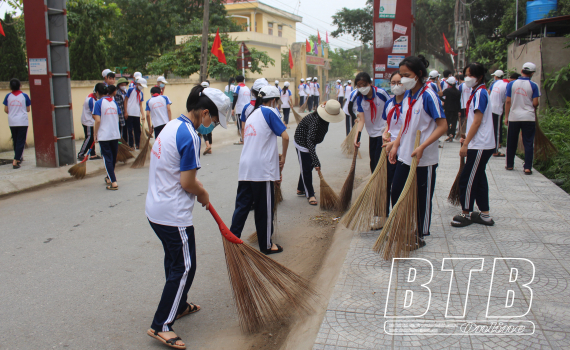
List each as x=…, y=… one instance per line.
x=107, y=134
x=421, y=110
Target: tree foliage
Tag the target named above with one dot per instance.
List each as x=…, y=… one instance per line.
x=13, y=62
x=358, y=23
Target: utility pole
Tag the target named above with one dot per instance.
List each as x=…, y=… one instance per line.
x=205, y=33
x=461, y=35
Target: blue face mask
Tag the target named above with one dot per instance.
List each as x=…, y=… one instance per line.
x=206, y=130
x=162, y=85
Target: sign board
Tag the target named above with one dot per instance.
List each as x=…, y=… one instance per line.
x=387, y=9
x=38, y=66
x=316, y=61
x=400, y=45
x=246, y=61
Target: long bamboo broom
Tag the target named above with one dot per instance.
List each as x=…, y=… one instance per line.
x=126, y=144
x=298, y=117
x=141, y=158
x=278, y=199
x=346, y=191
x=124, y=153
x=454, y=196
x=79, y=170
x=399, y=235
x=264, y=290
x=329, y=199
x=543, y=148
x=372, y=200
x=347, y=145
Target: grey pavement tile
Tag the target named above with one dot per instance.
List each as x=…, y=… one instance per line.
x=505, y=234
x=558, y=340
x=529, y=250
x=556, y=238
x=511, y=342
x=552, y=315
x=559, y=251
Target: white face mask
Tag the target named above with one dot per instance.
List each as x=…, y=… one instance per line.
x=140, y=87
x=398, y=89
x=408, y=83
x=124, y=88
x=364, y=90
x=470, y=81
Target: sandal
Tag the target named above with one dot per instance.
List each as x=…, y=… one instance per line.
x=207, y=151
x=313, y=202
x=107, y=180
x=509, y=169
x=112, y=188
x=168, y=342
x=499, y=154
x=238, y=143
x=271, y=251
x=189, y=310
x=299, y=193
x=95, y=157
x=528, y=172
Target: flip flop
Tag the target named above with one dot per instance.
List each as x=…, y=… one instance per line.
x=300, y=194
x=279, y=250
x=168, y=342
x=111, y=188
x=509, y=169
x=107, y=182
x=499, y=155
x=96, y=157
x=528, y=172
x=189, y=310
x=313, y=202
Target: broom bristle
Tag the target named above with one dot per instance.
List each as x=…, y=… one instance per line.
x=346, y=191
x=278, y=194
x=371, y=201
x=329, y=199
x=278, y=199
x=79, y=170
x=252, y=238
x=141, y=158
x=123, y=153
x=264, y=290
x=454, y=193
x=347, y=146
x=543, y=148
x=399, y=235
x=298, y=117
x=520, y=144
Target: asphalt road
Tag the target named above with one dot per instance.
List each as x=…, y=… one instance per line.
x=80, y=267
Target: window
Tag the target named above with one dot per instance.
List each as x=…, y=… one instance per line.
x=279, y=31
x=270, y=28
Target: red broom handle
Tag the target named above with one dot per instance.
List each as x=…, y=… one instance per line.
x=223, y=228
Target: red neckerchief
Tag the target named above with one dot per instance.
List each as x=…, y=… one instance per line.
x=108, y=98
x=138, y=94
x=93, y=96
x=154, y=95
x=506, y=81
x=411, y=104
x=241, y=84
x=373, y=109
x=16, y=93
x=396, y=109
x=482, y=86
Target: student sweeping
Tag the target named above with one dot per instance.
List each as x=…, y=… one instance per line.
x=423, y=111
x=259, y=168
x=157, y=111
x=451, y=100
x=88, y=124
x=134, y=107
x=316, y=93
x=286, y=103
x=339, y=92
x=370, y=102
x=241, y=98
x=173, y=189
x=309, y=89
x=122, y=88
x=107, y=131
x=302, y=93
x=498, y=96
x=17, y=106
x=310, y=132
x=478, y=146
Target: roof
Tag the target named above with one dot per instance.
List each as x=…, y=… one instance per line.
x=560, y=25
x=247, y=5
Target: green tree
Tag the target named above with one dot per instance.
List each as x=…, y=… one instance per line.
x=358, y=23
x=13, y=63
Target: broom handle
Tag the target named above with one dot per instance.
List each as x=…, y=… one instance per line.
x=359, y=134
x=225, y=231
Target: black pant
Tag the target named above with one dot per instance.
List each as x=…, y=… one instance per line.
x=528, y=129
x=306, y=177
x=316, y=100
x=261, y=195
x=158, y=129
x=426, y=184
x=109, y=154
x=238, y=122
x=134, y=131
x=179, y=267
x=452, y=117
x=349, y=123
x=375, y=149
x=89, y=138
x=473, y=184
x=302, y=100
x=340, y=99
x=498, y=125
x=310, y=103
x=19, y=134
x=125, y=132
x=208, y=138
x=286, y=112
x=391, y=171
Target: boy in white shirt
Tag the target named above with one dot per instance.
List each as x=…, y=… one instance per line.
x=157, y=111
x=17, y=106
x=107, y=133
x=134, y=110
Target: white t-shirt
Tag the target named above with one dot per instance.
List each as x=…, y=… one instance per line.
x=176, y=149
x=485, y=136
x=316, y=87
x=465, y=93
x=247, y=109
x=373, y=128
x=232, y=88
x=135, y=97
x=351, y=97
x=108, y=110
x=17, y=103
x=243, y=97
x=311, y=89
x=157, y=105
x=444, y=85
x=424, y=114
x=340, y=90
x=285, y=97
x=87, y=113
x=396, y=120
x=522, y=91
x=498, y=96
x=259, y=159
x=301, y=88
x=347, y=90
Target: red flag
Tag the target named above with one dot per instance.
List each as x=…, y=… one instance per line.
x=307, y=45
x=318, y=38
x=448, y=48
x=217, y=49
x=327, y=38
x=2, y=29
x=290, y=60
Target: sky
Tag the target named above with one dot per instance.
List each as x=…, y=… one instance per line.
x=317, y=15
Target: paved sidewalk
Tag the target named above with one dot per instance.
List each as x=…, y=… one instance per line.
x=532, y=221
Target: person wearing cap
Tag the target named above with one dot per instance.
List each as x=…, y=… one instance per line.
x=134, y=107
x=122, y=84
x=277, y=86
x=434, y=82
x=498, y=95
x=302, y=93
x=348, y=88
x=350, y=110
x=443, y=84
x=173, y=189
x=310, y=132
x=248, y=108
x=286, y=103
x=157, y=111
x=17, y=105
x=205, y=84
x=242, y=97
x=161, y=83
x=339, y=92
x=316, y=93
x=465, y=94
x=88, y=124
x=136, y=77
x=109, y=77
x=310, y=93
x=106, y=131
x=260, y=167
x=520, y=116
x=451, y=101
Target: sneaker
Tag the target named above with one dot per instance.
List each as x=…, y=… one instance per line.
x=461, y=220
x=476, y=218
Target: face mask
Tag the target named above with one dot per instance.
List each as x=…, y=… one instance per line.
x=206, y=130
x=398, y=89
x=140, y=87
x=470, y=81
x=408, y=83
x=364, y=90
x=162, y=85
x=124, y=88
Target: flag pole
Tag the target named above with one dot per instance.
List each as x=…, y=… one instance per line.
x=208, y=70
x=242, y=60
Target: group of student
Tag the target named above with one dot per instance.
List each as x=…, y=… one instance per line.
x=344, y=94
x=309, y=93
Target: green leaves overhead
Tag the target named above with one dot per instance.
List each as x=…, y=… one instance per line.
x=13, y=62
x=358, y=23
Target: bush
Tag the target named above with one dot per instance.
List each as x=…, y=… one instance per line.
x=555, y=123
